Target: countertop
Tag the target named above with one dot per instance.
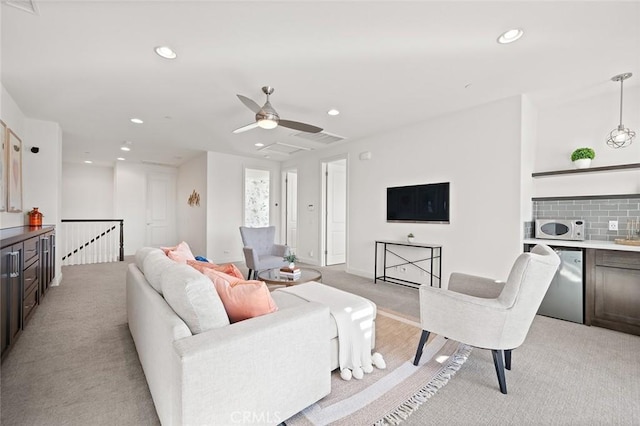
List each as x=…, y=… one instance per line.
x=592, y=244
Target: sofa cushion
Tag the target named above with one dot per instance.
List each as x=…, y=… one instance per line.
x=242, y=299
x=141, y=255
x=193, y=298
x=154, y=266
x=227, y=268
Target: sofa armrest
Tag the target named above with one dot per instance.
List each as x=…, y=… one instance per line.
x=268, y=368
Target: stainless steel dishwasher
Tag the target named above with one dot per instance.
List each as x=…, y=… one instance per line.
x=565, y=297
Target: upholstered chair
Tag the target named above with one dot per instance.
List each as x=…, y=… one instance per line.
x=488, y=314
x=260, y=251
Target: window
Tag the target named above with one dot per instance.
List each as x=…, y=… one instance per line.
x=256, y=197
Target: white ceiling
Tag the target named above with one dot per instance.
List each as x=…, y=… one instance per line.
x=90, y=66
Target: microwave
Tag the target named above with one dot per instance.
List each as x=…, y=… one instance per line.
x=560, y=229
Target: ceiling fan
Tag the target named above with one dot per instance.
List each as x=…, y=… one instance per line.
x=268, y=118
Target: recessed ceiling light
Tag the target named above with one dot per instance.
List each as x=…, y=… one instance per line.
x=137, y=121
x=166, y=52
x=120, y=159
x=125, y=148
x=259, y=144
x=333, y=111
x=510, y=36
x=88, y=161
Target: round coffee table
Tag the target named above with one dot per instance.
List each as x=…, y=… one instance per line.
x=272, y=276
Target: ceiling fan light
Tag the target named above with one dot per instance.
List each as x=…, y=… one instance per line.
x=510, y=36
x=267, y=123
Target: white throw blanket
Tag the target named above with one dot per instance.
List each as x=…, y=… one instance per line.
x=354, y=317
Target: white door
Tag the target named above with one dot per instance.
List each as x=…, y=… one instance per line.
x=291, y=224
x=336, y=212
x=161, y=201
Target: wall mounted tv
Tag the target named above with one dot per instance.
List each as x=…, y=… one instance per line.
x=418, y=203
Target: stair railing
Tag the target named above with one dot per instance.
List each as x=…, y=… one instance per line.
x=86, y=241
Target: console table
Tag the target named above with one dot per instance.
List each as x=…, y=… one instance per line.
x=427, y=261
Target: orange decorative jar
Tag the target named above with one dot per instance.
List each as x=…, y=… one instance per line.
x=35, y=217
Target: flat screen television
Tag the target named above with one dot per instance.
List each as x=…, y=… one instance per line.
x=418, y=203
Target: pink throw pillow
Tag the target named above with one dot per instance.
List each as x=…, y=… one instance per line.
x=241, y=299
x=180, y=253
x=227, y=268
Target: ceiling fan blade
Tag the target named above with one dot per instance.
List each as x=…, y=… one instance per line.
x=303, y=127
x=245, y=128
x=249, y=103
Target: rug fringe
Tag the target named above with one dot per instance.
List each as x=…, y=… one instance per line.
x=422, y=395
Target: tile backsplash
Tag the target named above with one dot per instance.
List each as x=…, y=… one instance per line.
x=596, y=212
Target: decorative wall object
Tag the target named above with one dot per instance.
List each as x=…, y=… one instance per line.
x=15, y=172
x=256, y=213
x=194, y=199
x=3, y=167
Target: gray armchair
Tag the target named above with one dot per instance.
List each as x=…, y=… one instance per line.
x=489, y=314
x=260, y=251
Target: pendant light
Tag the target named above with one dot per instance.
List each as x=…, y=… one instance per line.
x=621, y=137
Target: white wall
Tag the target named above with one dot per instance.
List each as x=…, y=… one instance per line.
x=88, y=191
x=528, y=141
x=225, y=204
x=587, y=122
x=192, y=220
x=477, y=150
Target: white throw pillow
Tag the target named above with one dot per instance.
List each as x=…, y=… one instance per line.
x=192, y=296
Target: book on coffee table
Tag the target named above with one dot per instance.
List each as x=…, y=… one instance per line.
x=287, y=272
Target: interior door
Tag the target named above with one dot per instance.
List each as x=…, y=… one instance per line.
x=291, y=221
x=336, y=212
x=160, y=210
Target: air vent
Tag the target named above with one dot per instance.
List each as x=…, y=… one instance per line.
x=283, y=148
x=155, y=163
x=27, y=6
x=322, y=137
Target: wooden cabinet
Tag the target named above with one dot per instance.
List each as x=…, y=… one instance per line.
x=613, y=290
x=28, y=268
x=47, y=261
x=11, y=295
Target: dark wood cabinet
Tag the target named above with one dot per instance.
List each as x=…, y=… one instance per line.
x=28, y=268
x=613, y=290
x=11, y=299
x=47, y=261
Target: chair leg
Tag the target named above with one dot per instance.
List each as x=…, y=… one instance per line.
x=249, y=274
x=423, y=340
x=507, y=359
x=497, y=362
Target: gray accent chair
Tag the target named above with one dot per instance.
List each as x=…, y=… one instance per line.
x=260, y=250
x=488, y=314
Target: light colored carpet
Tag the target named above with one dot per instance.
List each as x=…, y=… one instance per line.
x=76, y=364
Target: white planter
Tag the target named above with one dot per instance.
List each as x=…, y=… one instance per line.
x=410, y=239
x=583, y=163
x=292, y=265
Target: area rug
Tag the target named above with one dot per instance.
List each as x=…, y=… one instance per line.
x=387, y=397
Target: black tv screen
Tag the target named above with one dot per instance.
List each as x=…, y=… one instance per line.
x=418, y=203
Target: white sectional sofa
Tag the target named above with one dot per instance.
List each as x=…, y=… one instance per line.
x=201, y=370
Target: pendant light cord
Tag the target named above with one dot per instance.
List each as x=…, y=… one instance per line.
x=621, y=92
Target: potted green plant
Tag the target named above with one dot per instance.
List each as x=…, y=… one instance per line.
x=582, y=157
x=292, y=259
x=410, y=237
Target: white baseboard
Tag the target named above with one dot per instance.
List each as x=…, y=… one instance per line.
x=309, y=260
x=359, y=272
x=56, y=281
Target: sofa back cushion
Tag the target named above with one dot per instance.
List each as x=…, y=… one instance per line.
x=141, y=255
x=193, y=298
x=154, y=266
